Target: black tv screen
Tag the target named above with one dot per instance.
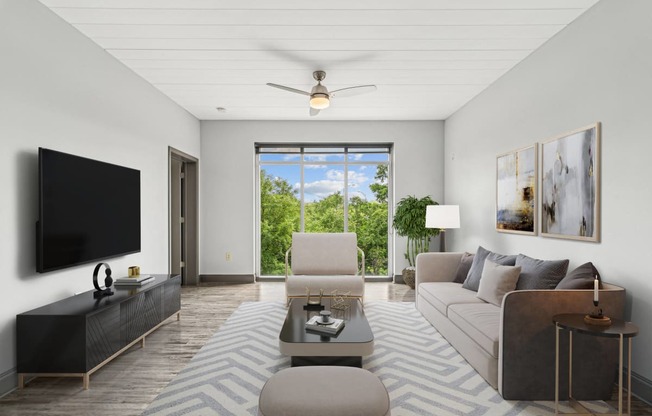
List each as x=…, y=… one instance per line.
x=88, y=211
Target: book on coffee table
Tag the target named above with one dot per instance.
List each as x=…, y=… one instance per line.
x=332, y=328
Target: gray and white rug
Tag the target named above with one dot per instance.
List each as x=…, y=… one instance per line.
x=422, y=372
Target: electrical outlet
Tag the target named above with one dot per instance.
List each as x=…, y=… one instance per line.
x=227, y=256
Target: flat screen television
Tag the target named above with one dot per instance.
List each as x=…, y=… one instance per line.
x=88, y=211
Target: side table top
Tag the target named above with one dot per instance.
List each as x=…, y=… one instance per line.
x=575, y=322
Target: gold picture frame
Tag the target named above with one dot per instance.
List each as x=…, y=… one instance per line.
x=516, y=191
x=570, y=185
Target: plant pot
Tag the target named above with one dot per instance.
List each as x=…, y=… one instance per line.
x=409, y=275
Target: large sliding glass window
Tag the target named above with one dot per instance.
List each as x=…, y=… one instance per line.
x=321, y=189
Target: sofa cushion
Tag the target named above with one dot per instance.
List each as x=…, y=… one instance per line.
x=540, y=274
x=496, y=281
x=481, y=322
x=443, y=294
x=580, y=278
x=464, y=267
x=472, y=281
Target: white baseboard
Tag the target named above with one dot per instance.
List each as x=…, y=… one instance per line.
x=227, y=278
x=641, y=387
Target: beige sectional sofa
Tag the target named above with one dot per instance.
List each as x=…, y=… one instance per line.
x=513, y=346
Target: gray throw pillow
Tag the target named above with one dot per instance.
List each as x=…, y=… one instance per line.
x=540, y=274
x=580, y=278
x=472, y=281
x=463, y=268
x=497, y=281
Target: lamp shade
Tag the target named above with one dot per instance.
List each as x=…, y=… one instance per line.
x=443, y=216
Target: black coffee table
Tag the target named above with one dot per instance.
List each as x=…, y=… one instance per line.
x=308, y=348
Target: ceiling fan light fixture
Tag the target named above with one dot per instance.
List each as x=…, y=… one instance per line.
x=319, y=101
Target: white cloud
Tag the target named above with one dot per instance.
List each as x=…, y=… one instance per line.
x=315, y=158
x=334, y=182
x=315, y=166
x=354, y=177
x=323, y=188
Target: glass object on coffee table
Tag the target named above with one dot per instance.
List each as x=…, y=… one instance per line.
x=340, y=300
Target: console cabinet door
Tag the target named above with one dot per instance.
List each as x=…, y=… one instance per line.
x=172, y=302
x=141, y=313
x=50, y=344
x=103, y=337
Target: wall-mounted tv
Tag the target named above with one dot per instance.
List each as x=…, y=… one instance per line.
x=88, y=211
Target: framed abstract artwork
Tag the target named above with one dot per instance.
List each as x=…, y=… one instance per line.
x=570, y=185
x=516, y=191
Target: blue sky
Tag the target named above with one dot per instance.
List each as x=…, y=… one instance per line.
x=322, y=180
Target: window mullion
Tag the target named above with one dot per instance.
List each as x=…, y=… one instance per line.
x=302, y=225
x=346, y=195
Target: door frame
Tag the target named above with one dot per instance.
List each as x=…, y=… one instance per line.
x=190, y=240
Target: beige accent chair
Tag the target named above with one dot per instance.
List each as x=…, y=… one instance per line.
x=324, y=261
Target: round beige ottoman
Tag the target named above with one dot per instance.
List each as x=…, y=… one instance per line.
x=323, y=391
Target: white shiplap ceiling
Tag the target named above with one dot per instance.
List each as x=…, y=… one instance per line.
x=427, y=57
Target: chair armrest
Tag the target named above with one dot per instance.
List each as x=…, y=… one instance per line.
x=287, y=264
x=526, y=357
x=362, y=266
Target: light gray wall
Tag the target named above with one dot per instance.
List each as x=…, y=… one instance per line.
x=228, y=176
x=597, y=69
x=61, y=91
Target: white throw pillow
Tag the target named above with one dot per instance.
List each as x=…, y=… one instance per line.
x=497, y=281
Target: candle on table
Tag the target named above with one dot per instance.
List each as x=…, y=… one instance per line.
x=595, y=290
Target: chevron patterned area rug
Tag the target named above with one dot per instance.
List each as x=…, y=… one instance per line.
x=423, y=374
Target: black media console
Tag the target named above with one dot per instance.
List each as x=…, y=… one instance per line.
x=75, y=337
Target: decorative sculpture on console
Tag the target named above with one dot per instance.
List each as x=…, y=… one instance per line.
x=108, y=281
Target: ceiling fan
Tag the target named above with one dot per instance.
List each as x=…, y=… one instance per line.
x=320, y=97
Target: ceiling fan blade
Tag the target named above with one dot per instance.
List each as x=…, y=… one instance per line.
x=313, y=111
x=294, y=90
x=351, y=91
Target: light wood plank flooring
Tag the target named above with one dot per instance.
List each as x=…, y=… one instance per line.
x=129, y=383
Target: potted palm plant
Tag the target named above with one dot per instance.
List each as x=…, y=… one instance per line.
x=410, y=222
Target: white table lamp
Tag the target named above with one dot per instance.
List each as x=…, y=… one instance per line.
x=443, y=217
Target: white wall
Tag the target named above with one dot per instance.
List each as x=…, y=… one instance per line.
x=597, y=69
x=61, y=91
x=228, y=176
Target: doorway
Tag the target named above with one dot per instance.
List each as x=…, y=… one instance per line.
x=183, y=216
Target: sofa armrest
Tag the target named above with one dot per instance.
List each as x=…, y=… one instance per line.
x=437, y=267
x=526, y=360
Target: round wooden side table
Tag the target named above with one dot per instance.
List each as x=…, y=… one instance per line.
x=574, y=322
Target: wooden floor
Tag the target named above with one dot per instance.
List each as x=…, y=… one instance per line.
x=128, y=384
